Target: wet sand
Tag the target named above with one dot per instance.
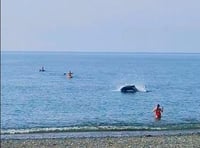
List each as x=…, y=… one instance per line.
x=160, y=141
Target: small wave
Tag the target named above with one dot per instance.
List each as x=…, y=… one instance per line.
x=101, y=128
x=78, y=129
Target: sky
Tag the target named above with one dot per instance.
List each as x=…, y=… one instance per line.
x=101, y=25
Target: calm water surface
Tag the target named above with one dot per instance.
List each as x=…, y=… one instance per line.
x=33, y=101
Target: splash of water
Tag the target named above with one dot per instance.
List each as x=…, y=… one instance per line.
x=141, y=87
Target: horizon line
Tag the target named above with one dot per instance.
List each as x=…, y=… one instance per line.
x=136, y=52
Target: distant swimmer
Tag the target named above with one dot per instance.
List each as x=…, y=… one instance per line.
x=42, y=69
x=69, y=74
x=157, y=110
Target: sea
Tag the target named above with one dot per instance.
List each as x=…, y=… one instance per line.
x=50, y=102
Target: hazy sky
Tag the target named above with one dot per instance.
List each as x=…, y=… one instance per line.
x=101, y=25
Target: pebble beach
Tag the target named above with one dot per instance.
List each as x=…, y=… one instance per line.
x=161, y=141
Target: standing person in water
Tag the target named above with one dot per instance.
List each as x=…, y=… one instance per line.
x=157, y=110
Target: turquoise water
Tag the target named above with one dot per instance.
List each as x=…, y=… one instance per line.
x=33, y=101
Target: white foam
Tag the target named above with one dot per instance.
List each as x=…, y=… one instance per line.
x=141, y=87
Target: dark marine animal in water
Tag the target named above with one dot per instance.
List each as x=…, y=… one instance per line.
x=129, y=89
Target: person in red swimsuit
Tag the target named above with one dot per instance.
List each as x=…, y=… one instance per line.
x=157, y=110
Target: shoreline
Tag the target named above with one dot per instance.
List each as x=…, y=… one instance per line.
x=98, y=134
x=116, y=141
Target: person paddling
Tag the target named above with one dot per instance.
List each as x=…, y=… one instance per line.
x=157, y=110
x=69, y=74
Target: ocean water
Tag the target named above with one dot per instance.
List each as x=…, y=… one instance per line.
x=36, y=102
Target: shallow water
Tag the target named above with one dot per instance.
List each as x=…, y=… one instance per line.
x=33, y=101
